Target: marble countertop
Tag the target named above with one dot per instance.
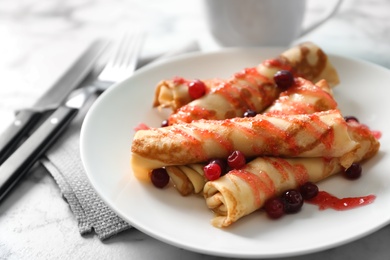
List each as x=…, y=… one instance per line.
x=39, y=39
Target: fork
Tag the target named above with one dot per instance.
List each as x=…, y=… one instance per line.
x=121, y=65
x=123, y=62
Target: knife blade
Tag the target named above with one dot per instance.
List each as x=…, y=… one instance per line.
x=26, y=119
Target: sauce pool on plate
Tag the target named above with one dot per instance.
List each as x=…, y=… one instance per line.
x=325, y=200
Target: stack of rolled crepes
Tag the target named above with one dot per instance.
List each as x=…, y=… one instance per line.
x=300, y=136
x=252, y=88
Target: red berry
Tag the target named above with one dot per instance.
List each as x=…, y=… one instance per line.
x=284, y=79
x=212, y=171
x=222, y=164
x=159, y=178
x=274, y=208
x=308, y=190
x=250, y=113
x=353, y=172
x=236, y=160
x=196, y=89
x=351, y=118
x=164, y=123
x=293, y=201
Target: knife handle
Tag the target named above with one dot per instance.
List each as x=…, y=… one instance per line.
x=13, y=169
x=25, y=120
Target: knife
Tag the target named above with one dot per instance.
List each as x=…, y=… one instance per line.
x=36, y=145
x=27, y=119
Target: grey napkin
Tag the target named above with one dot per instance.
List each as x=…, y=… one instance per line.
x=64, y=164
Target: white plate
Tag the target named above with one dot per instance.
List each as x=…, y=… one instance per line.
x=106, y=139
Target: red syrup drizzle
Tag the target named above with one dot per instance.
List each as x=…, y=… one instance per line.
x=141, y=126
x=325, y=200
x=376, y=134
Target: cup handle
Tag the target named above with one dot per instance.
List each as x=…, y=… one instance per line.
x=321, y=21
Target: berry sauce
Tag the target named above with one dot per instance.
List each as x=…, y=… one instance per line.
x=141, y=126
x=376, y=134
x=325, y=200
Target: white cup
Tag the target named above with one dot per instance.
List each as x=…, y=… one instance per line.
x=259, y=22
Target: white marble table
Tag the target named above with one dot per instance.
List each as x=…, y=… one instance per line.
x=39, y=39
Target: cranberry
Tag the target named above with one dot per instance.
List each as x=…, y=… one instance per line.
x=353, y=172
x=293, y=201
x=212, y=171
x=196, y=89
x=250, y=113
x=164, y=123
x=284, y=79
x=351, y=118
x=308, y=190
x=236, y=160
x=222, y=164
x=274, y=208
x=160, y=178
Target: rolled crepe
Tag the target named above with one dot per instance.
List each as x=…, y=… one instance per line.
x=304, y=98
x=252, y=88
x=321, y=134
x=173, y=93
x=241, y=192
